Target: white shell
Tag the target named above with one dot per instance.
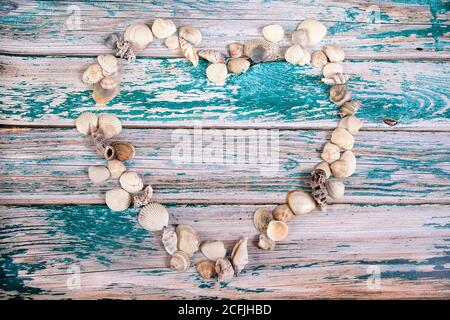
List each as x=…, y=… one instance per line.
x=153, y=217
x=336, y=189
x=118, y=199
x=212, y=56
x=273, y=33
x=169, y=239
x=238, y=65
x=334, y=53
x=108, y=62
x=345, y=166
x=316, y=31
x=330, y=152
x=266, y=243
x=163, y=28
x=342, y=138
x=277, y=230
x=180, y=261
x=109, y=83
x=172, y=42
x=139, y=35
x=131, y=182
x=98, y=174
x=351, y=123
x=110, y=125
x=188, y=240
x=300, y=37
x=323, y=165
x=236, y=50
x=239, y=255
x=213, y=250
x=92, y=74
x=85, y=121
x=190, y=34
x=306, y=59
x=318, y=59
x=217, y=73
x=116, y=168
x=301, y=202
x=331, y=69
x=294, y=54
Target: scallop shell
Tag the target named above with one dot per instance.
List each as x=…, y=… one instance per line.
x=319, y=190
x=92, y=74
x=103, y=96
x=330, y=152
x=116, y=168
x=123, y=150
x=261, y=219
x=102, y=144
x=118, y=199
x=112, y=39
x=334, y=53
x=239, y=255
x=236, y=50
x=336, y=189
x=266, y=243
x=349, y=108
x=273, y=33
x=316, y=31
x=277, y=230
x=238, y=65
x=318, y=59
x=294, y=54
x=260, y=50
x=300, y=202
x=85, y=121
x=345, y=166
x=153, y=217
x=98, y=174
x=172, y=42
x=143, y=198
x=110, y=125
x=188, y=240
x=169, y=239
x=351, y=123
x=109, y=83
x=342, y=138
x=331, y=69
x=212, y=56
x=323, y=165
x=206, y=269
x=139, y=35
x=217, y=73
x=163, y=28
x=108, y=62
x=339, y=94
x=190, y=34
x=213, y=250
x=283, y=213
x=337, y=78
x=131, y=182
x=179, y=261
x=189, y=51
x=224, y=270
x=306, y=59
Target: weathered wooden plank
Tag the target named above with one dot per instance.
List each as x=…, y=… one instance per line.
x=41, y=166
x=327, y=255
x=170, y=92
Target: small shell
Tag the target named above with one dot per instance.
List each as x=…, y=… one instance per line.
x=123, y=150
x=342, y=138
x=212, y=56
x=153, y=217
x=390, y=122
x=349, y=108
x=345, y=166
x=190, y=34
x=98, y=174
x=277, y=230
x=116, y=168
x=224, y=270
x=92, y=74
x=319, y=190
x=169, y=239
x=337, y=78
x=189, y=51
x=139, y=35
x=102, y=144
x=260, y=50
x=179, y=261
x=306, y=59
x=163, y=28
x=266, y=243
x=172, y=42
x=300, y=202
x=110, y=125
x=331, y=69
x=109, y=83
x=283, y=213
x=238, y=65
x=261, y=219
x=85, y=121
x=339, y=94
x=131, y=182
x=236, y=50
x=213, y=250
x=336, y=189
x=143, y=198
x=323, y=165
x=316, y=31
x=273, y=33
x=334, y=53
x=239, y=255
x=318, y=59
x=118, y=199
x=206, y=269
x=108, y=62
x=112, y=39
x=188, y=240
x=217, y=73
x=300, y=37
x=103, y=96
x=125, y=51
x=330, y=152
x=294, y=54
x=351, y=123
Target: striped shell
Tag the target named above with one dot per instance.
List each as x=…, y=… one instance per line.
x=153, y=217
x=213, y=250
x=85, y=121
x=139, y=35
x=118, y=199
x=123, y=150
x=92, y=74
x=190, y=34
x=260, y=50
x=169, y=239
x=98, y=174
x=188, y=240
x=239, y=255
x=110, y=125
x=108, y=62
x=277, y=230
x=179, y=261
x=206, y=269
x=131, y=182
x=212, y=56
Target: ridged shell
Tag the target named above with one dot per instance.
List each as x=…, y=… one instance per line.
x=189, y=51
x=350, y=108
x=331, y=69
x=109, y=83
x=206, y=269
x=318, y=59
x=306, y=59
x=92, y=74
x=172, y=42
x=98, y=174
x=217, y=73
x=143, y=198
x=139, y=35
x=300, y=202
x=277, y=230
x=103, y=96
x=110, y=125
x=323, y=165
x=236, y=50
x=188, y=240
x=351, y=123
x=283, y=213
x=319, y=190
x=123, y=150
x=294, y=54
x=212, y=56
x=336, y=189
x=224, y=270
x=109, y=64
x=112, y=39
x=260, y=50
x=190, y=34
x=239, y=255
x=345, y=166
x=266, y=243
x=118, y=199
x=179, y=261
x=238, y=65
x=153, y=217
x=163, y=28
x=342, y=138
x=131, y=182
x=316, y=31
x=85, y=121
x=334, y=53
x=169, y=239
x=261, y=219
x=213, y=250
x=330, y=152
x=116, y=168
x=339, y=94
x=273, y=33
x=337, y=78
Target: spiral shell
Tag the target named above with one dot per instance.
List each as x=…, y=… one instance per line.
x=238, y=65
x=108, y=62
x=260, y=50
x=316, y=31
x=163, y=28
x=351, y=123
x=118, y=199
x=143, y=198
x=101, y=143
x=330, y=152
x=294, y=54
x=239, y=255
x=318, y=59
x=265, y=242
x=283, y=213
x=350, y=108
x=213, y=250
x=131, y=182
x=206, y=269
x=172, y=42
x=110, y=125
x=336, y=189
x=331, y=69
x=342, y=138
x=337, y=78
x=190, y=34
x=188, y=240
x=339, y=94
x=98, y=174
x=85, y=121
x=123, y=150
x=277, y=230
x=139, y=35
x=273, y=33
x=179, y=261
x=334, y=53
x=153, y=217
x=212, y=56
x=345, y=166
x=116, y=168
x=323, y=165
x=236, y=50
x=300, y=202
x=189, y=51
x=224, y=270
x=169, y=239
x=92, y=74
x=319, y=190
x=261, y=219
x=217, y=73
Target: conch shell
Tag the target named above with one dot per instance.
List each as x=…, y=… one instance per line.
x=188, y=240
x=101, y=143
x=283, y=213
x=189, y=51
x=85, y=121
x=143, y=198
x=212, y=56
x=206, y=269
x=224, y=270
x=169, y=239
x=118, y=199
x=153, y=217
x=125, y=51
x=179, y=261
x=213, y=250
x=277, y=230
x=239, y=255
x=260, y=50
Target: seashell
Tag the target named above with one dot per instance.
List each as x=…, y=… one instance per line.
x=294, y=54
x=188, y=240
x=266, y=243
x=179, y=261
x=98, y=174
x=112, y=39
x=323, y=165
x=334, y=53
x=342, y=138
x=190, y=34
x=330, y=152
x=169, y=239
x=206, y=269
x=318, y=59
x=189, y=51
x=213, y=250
x=300, y=37
x=238, y=65
x=172, y=42
x=261, y=219
x=306, y=59
x=116, y=168
x=336, y=189
x=123, y=150
x=236, y=50
x=143, y=198
x=273, y=33
x=118, y=199
x=108, y=63
x=390, y=122
x=300, y=202
x=110, y=125
x=319, y=190
x=138, y=35
x=163, y=28
x=349, y=108
x=345, y=166
x=212, y=56
x=224, y=270
x=260, y=50
x=283, y=213
x=339, y=94
x=217, y=73
x=92, y=74
x=351, y=123
x=331, y=69
x=131, y=182
x=102, y=144
x=316, y=31
x=337, y=78
x=153, y=217
x=85, y=121
x=103, y=96
x=125, y=51
x=239, y=255
x=277, y=230
x=109, y=83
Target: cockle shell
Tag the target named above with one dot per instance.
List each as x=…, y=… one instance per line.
x=283, y=213
x=300, y=202
x=224, y=270
x=143, y=197
x=277, y=230
x=217, y=73
x=337, y=78
x=85, y=121
x=109, y=83
x=98, y=174
x=323, y=165
x=273, y=33
x=339, y=94
x=172, y=42
x=239, y=255
x=213, y=250
x=110, y=125
x=179, y=261
x=189, y=51
x=163, y=28
x=351, y=123
x=112, y=39
x=318, y=59
x=118, y=199
x=349, y=108
x=336, y=189
x=334, y=53
x=266, y=243
x=342, y=138
x=316, y=31
x=260, y=50
x=206, y=269
x=153, y=217
x=212, y=56
x=261, y=219
x=108, y=62
x=188, y=240
x=236, y=50
x=306, y=59
x=190, y=34
x=103, y=96
x=92, y=74
x=169, y=239
x=332, y=68
x=116, y=168
x=238, y=65
x=123, y=150
x=345, y=166
x=294, y=54
x=139, y=35
x=300, y=37
x=131, y=182
x=330, y=152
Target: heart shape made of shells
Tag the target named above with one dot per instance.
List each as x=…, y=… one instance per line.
x=182, y=241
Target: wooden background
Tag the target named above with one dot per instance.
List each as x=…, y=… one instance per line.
x=395, y=217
